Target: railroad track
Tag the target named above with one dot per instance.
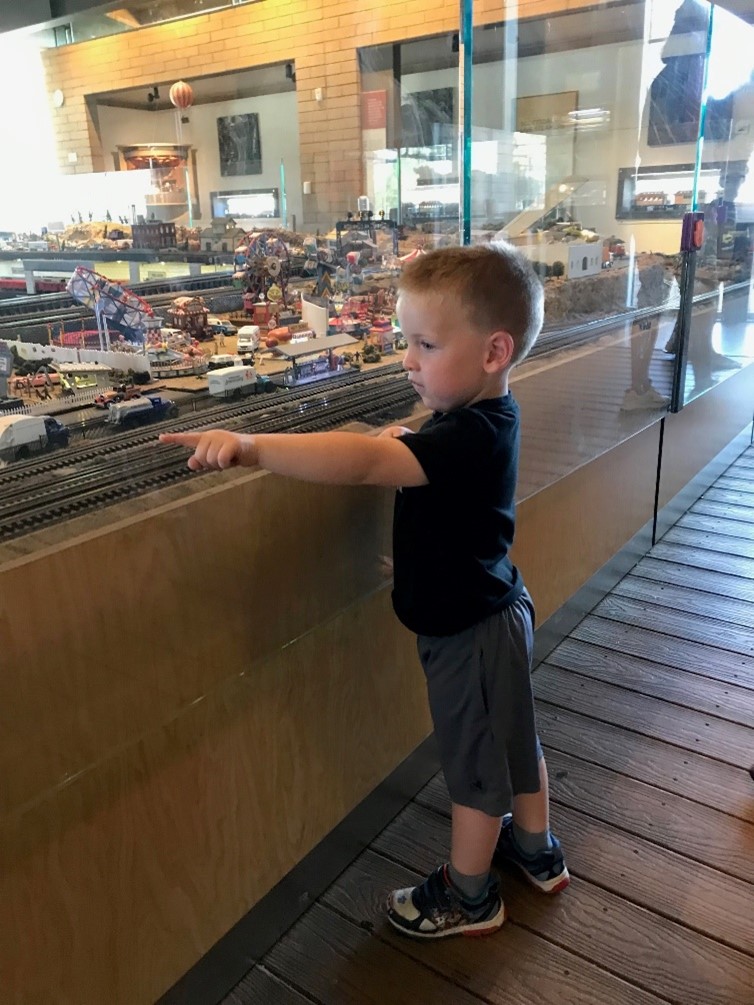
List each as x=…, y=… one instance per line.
x=116, y=440
x=80, y=480
x=54, y=302
x=37, y=326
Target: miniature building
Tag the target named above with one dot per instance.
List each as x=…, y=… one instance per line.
x=382, y=335
x=584, y=259
x=223, y=235
x=189, y=314
x=154, y=235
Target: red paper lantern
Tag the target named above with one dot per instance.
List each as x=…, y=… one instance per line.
x=181, y=94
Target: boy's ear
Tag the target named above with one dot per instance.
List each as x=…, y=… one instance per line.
x=500, y=349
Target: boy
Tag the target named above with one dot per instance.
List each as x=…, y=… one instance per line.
x=469, y=315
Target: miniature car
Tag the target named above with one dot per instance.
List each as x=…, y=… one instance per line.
x=223, y=359
x=124, y=392
x=219, y=327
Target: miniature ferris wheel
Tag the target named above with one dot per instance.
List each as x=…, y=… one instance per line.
x=267, y=263
x=113, y=305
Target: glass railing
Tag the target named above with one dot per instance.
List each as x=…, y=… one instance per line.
x=558, y=148
x=279, y=168
x=719, y=339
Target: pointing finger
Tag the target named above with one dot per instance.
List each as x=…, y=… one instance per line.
x=183, y=439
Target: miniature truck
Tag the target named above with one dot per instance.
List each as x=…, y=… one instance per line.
x=24, y=435
x=147, y=408
x=235, y=381
x=248, y=339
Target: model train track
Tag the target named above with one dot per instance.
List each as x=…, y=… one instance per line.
x=55, y=302
x=36, y=470
x=31, y=475
x=84, y=487
x=36, y=326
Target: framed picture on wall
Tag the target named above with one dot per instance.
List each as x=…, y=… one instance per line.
x=546, y=113
x=427, y=118
x=240, y=145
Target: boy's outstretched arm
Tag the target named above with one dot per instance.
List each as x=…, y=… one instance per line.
x=334, y=458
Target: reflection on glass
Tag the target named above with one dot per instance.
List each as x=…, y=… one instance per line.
x=720, y=336
x=560, y=147
x=409, y=127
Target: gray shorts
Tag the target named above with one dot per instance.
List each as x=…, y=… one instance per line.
x=480, y=698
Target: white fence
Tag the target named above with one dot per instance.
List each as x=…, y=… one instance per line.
x=51, y=406
x=125, y=361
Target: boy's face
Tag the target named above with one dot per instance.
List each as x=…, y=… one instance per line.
x=449, y=362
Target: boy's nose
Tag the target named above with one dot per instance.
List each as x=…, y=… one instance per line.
x=408, y=361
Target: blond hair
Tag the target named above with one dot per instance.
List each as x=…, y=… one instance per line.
x=495, y=284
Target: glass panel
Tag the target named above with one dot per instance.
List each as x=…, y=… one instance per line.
x=204, y=191
x=113, y=18
x=409, y=115
x=322, y=149
x=565, y=166
x=721, y=337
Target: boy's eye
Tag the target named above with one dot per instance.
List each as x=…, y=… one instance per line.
x=426, y=345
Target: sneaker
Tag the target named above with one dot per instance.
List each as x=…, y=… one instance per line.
x=434, y=910
x=633, y=401
x=546, y=870
x=652, y=394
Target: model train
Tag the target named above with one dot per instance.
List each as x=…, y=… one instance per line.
x=12, y=287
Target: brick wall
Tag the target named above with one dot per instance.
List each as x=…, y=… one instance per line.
x=320, y=36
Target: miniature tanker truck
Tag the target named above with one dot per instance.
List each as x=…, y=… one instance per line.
x=147, y=408
x=235, y=381
x=24, y=435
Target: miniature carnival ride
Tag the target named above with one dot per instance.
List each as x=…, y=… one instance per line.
x=113, y=306
x=267, y=264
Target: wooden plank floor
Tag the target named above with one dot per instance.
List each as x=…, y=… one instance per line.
x=647, y=717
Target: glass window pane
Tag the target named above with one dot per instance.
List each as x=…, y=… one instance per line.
x=721, y=337
x=566, y=166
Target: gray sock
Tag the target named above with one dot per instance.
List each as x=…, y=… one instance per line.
x=469, y=888
x=529, y=843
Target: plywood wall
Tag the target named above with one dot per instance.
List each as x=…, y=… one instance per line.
x=190, y=701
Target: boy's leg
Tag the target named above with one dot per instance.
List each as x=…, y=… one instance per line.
x=473, y=838
x=526, y=842
x=531, y=810
x=460, y=897
x=474, y=835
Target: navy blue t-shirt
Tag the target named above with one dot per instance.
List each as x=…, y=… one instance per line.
x=451, y=538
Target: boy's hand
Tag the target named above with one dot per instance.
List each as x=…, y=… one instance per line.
x=214, y=449
x=385, y=566
x=395, y=431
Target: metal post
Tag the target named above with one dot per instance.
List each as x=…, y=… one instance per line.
x=691, y=241
x=465, y=71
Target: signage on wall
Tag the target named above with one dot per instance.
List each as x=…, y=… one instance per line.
x=374, y=109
